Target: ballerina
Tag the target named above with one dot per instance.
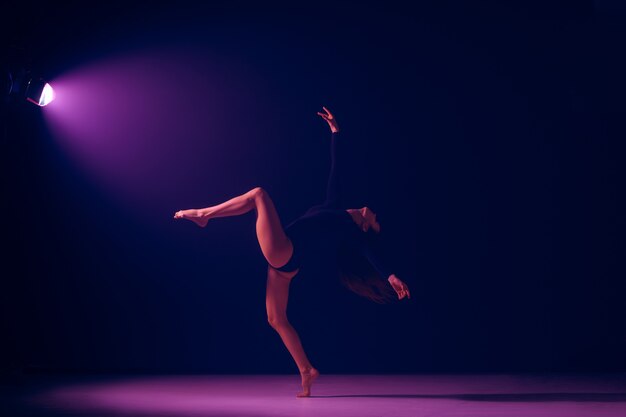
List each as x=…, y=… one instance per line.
x=348, y=233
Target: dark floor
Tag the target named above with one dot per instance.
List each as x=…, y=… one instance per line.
x=334, y=395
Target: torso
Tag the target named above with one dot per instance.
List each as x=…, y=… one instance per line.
x=315, y=236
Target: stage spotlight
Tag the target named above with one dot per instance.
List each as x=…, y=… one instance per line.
x=25, y=86
x=39, y=92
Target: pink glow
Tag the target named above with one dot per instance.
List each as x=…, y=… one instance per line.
x=148, y=126
x=345, y=395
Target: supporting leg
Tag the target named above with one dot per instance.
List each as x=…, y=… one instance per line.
x=276, y=299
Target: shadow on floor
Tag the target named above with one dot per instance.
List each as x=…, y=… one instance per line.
x=522, y=398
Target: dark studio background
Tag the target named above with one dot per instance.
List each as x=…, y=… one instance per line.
x=487, y=137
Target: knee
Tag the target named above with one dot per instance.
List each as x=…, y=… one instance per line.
x=257, y=192
x=277, y=322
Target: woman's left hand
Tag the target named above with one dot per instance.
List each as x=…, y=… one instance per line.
x=399, y=287
x=330, y=119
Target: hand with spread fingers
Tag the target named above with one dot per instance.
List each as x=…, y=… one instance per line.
x=330, y=119
x=399, y=287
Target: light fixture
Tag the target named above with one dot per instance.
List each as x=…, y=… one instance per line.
x=24, y=85
x=39, y=92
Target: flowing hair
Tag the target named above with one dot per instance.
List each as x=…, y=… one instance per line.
x=359, y=276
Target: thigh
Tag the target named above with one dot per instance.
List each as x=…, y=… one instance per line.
x=275, y=245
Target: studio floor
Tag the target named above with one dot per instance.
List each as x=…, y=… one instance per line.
x=333, y=395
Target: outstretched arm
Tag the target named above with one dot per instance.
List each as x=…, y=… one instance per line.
x=373, y=254
x=333, y=187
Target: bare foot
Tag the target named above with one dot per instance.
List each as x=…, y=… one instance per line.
x=193, y=215
x=308, y=377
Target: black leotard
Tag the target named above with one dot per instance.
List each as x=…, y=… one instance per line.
x=322, y=228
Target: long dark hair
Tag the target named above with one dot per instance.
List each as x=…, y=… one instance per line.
x=357, y=273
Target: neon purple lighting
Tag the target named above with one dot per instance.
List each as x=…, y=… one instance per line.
x=152, y=127
x=339, y=396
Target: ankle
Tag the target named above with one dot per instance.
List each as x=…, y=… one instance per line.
x=205, y=213
x=308, y=370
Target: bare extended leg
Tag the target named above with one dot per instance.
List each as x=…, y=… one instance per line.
x=276, y=299
x=275, y=245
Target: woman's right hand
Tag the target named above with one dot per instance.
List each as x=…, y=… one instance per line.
x=330, y=119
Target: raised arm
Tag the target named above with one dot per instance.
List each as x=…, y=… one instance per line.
x=333, y=187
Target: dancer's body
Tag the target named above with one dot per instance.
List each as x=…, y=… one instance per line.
x=286, y=249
